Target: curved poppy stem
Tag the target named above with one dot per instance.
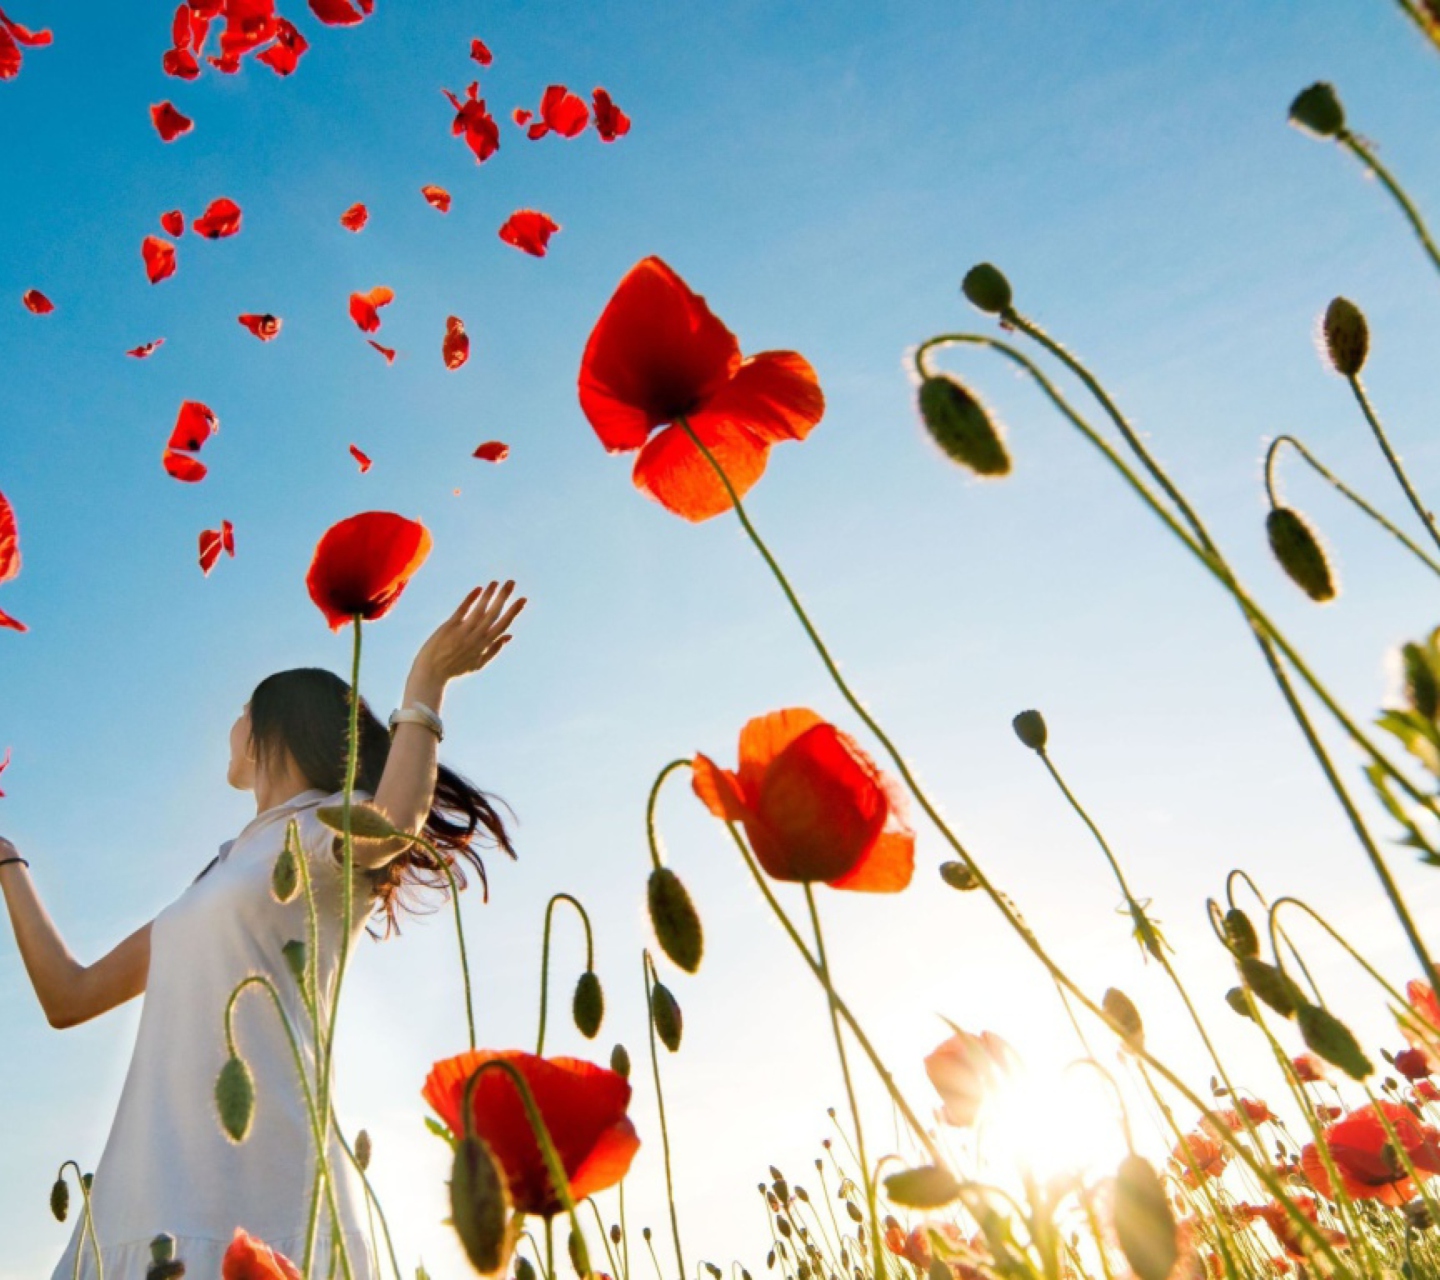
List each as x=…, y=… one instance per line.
x=372, y=1199
x=652, y=831
x=545, y=959
x=648, y=966
x=87, y=1227
x=1398, y=470
x=1367, y=157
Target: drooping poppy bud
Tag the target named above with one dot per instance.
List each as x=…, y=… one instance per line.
x=285, y=877
x=1126, y=1017
x=620, y=1061
x=1347, y=337
x=294, y=952
x=1030, y=729
x=674, y=919
x=1144, y=1224
x=588, y=1007
x=579, y=1255
x=1327, y=1036
x=987, y=288
x=1239, y=1000
x=1317, y=110
x=235, y=1098
x=665, y=1012
x=1240, y=933
x=60, y=1199
x=362, y=1149
x=926, y=1187
x=479, y=1205
x=1271, y=985
x=1297, y=547
x=958, y=875
x=365, y=822
x=962, y=426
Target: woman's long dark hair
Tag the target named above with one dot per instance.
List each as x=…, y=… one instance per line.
x=306, y=711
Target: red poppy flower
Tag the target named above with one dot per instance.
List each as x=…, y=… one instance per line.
x=283, y=56
x=263, y=327
x=12, y=37
x=355, y=217
x=1420, y=1022
x=582, y=1105
x=146, y=349
x=610, y=121
x=657, y=354
x=169, y=122
x=813, y=804
x=37, y=302
x=159, y=258
x=173, y=222
x=387, y=352
x=1286, y=1232
x=209, y=549
x=492, y=451
x=1427, y=1091
x=250, y=1259
x=9, y=557
x=362, y=565
x=340, y=13
x=1369, y=1167
x=5, y=764
x=482, y=134
x=365, y=307
x=362, y=458
x=561, y=112
x=966, y=1069
x=438, y=197
x=1206, y=1158
x=456, y=347
x=481, y=53
x=1309, y=1069
x=221, y=218
x=1413, y=1064
x=530, y=230
x=183, y=467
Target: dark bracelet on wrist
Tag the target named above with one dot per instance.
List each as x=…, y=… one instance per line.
x=3, y=861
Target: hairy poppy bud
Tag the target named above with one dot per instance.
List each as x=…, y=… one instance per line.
x=1144, y=1225
x=615, y=1234
x=365, y=822
x=87, y=1180
x=162, y=1247
x=620, y=1061
x=674, y=919
x=524, y=1268
x=285, y=878
x=579, y=1255
x=60, y=1199
x=588, y=1007
x=362, y=1149
x=959, y=876
x=1271, y=985
x=1323, y=1032
x=1347, y=337
x=962, y=426
x=1030, y=729
x=1240, y=933
x=1126, y=1017
x=479, y=1205
x=1421, y=689
x=294, y=952
x=1300, y=554
x=1317, y=110
x=1239, y=1000
x=235, y=1098
x=986, y=287
x=164, y=1265
x=665, y=1012
x=926, y=1187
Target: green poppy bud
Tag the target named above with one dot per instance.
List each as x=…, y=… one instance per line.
x=1421, y=689
x=87, y=1180
x=1347, y=337
x=1239, y=1000
x=162, y=1247
x=1297, y=547
x=579, y=1255
x=479, y=1206
x=1317, y=110
x=1271, y=985
x=588, y=1006
x=1126, y=1017
x=615, y=1234
x=620, y=1061
x=674, y=919
x=524, y=1268
x=986, y=288
x=235, y=1098
x=1332, y=1040
x=926, y=1187
x=60, y=1199
x=1030, y=729
x=1240, y=933
x=962, y=426
x=665, y=1013
x=958, y=875
x=294, y=952
x=1144, y=1224
x=362, y=1149
x=164, y=1265
x=285, y=878
x=365, y=822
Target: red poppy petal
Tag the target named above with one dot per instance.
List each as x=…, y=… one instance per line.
x=774, y=395
x=529, y=230
x=227, y=538
x=657, y=351
x=492, y=451
x=9, y=541
x=522, y=116
x=680, y=478
x=210, y=546
x=248, y=1258
x=194, y=425
x=180, y=63
x=173, y=222
x=169, y=123
x=283, y=56
x=147, y=349
x=12, y=624
x=387, y=352
x=365, y=307
x=221, y=218
x=481, y=53
x=608, y=1161
x=564, y=112
x=455, y=349
x=438, y=197
x=183, y=467
x=159, y=258
x=5, y=763
x=610, y=121
x=336, y=13
x=887, y=866
x=362, y=565
x=362, y=458
x=12, y=36
x=37, y=302
x=718, y=789
x=764, y=738
x=355, y=217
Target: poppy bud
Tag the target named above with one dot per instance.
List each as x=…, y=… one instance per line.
x=962, y=426
x=665, y=1012
x=285, y=878
x=87, y=1180
x=60, y=1199
x=1126, y=1017
x=164, y=1265
x=1271, y=985
x=362, y=1149
x=1317, y=110
x=1240, y=933
x=958, y=876
x=1143, y=1222
x=620, y=1061
x=1347, y=337
x=365, y=822
x=479, y=1205
x=1324, y=1033
x=615, y=1234
x=588, y=1007
x=235, y=1098
x=1297, y=548
x=1030, y=729
x=926, y=1187
x=294, y=951
x=1238, y=1000
x=986, y=287
x=1421, y=690
x=674, y=919
x=524, y=1269
x=579, y=1255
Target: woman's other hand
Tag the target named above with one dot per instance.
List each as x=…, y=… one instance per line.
x=466, y=641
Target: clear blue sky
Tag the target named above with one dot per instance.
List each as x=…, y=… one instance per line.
x=824, y=174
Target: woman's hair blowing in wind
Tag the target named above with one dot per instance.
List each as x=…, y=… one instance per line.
x=306, y=711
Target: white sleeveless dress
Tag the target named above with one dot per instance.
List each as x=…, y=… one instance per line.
x=167, y=1164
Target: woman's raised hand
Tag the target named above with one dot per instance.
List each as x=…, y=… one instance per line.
x=471, y=636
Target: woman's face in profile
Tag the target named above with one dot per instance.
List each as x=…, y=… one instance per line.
x=241, y=773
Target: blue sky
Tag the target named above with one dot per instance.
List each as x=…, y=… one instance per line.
x=824, y=175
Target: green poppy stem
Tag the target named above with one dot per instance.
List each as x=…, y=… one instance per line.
x=1362, y=152
x=1401, y=477
x=648, y=966
x=545, y=959
x=652, y=831
x=87, y=1226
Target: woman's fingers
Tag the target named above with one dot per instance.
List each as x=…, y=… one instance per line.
x=465, y=604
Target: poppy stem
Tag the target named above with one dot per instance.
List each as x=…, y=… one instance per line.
x=443, y=864
x=87, y=1227
x=371, y=1199
x=648, y=966
x=1362, y=152
x=545, y=959
x=1426, y=518
x=652, y=830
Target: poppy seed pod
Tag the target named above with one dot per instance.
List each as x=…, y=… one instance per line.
x=235, y=1098
x=365, y=822
x=1030, y=729
x=986, y=287
x=588, y=1007
x=1317, y=110
x=926, y=1187
x=285, y=877
x=294, y=952
x=665, y=1013
x=674, y=919
x=962, y=426
x=1271, y=985
x=620, y=1061
x=1126, y=1017
x=958, y=875
x=1347, y=337
x=1297, y=547
x=60, y=1199
x=1238, y=1000
x=479, y=1205
x=1422, y=691
x=362, y=1149
x=1144, y=1225
x=1240, y=933
x=1327, y=1036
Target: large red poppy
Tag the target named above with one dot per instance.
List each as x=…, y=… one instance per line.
x=250, y=1259
x=473, y=119
x=169, y=121
x=362, y=565
x=966, y=1069
x=12, y=37
x=1369, y=1169
x=37, y=302
x=159, y=255
x=813, y=804
x=583, y=1107
x=657, y=354
x=9, y=557
x=530, y=230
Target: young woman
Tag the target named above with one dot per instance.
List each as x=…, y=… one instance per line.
x=167, y=1165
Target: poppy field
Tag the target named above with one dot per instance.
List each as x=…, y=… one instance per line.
x=815, y=963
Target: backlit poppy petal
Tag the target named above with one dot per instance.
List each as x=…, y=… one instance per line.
x=438, y=197
x=775, y=396
x=248, y=25
x=474, y=121
x=147, y=349
x=210, y=547
x=492, y=451
x=530, y=230
x=888, y=865
x=387, y=352
x=247, y=1258
x=194, y=425
x=159, y=258
x=362, y=458
x=365, y=307
x=180, y=63
x=183, y=467
x=37, y=302
x=221, y=218
x=656, y=352
x=336, y=13
x=362, y=565
x=173, y=222
x=564, y=112
x=283, y=56
x=263, y=326
x=169, y=123
x=764, y=738
x=9, y=541
x=610, y=121
x=456, y=346
x=680, y=478
x=522, y=116
x=355, y=217
x=6, y=621
x=481, y=53
x=227, y=538
x=718, y=789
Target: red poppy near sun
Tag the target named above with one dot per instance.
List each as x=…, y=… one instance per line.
x=169, y=122
x=248, y=1258
x=455, y=349
x=173, y=222
x=355, y=217
x=365, y=307
x=561, y=112
x=492, y=451
x=159, y=258
x=438, y=197
x=1361, y=1151
x=36, y=302
x=363, y=459
x=263, y=326
x=583, y=1107
x=529, y=230
x=12, y=38
x=387, y=352
x=656, y=355
x=221, y=218
x=362, y=565
x=145, y=350
x=9, y=557
x=474, y=121
x=610, y=121
x=813, y=804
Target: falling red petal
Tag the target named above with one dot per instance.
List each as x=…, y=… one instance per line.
x=283, y=56
x=14, y=624
x=482, y=134
x=227, y=538
x=456, y=347
x=263, y=326
x=563, y=111
x=9, y=541
x=209, y=549
x=173, y=222
x=361, y=457
x=530, y=230
x=338, y=13
x=12, y=37
x=387, y=352
x=159, y=258
x=438, y=197
x=492, y=451
x=141, y=352
x=355, y=217
x=194, y=425
x=183, y=467
x=522, y=116
x=365, y=307
x=37, y=302
x=169, y=123
x=610, y=121
x=481, y=53
x=221, y=218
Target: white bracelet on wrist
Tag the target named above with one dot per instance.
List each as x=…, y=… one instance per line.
x=418, y=713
